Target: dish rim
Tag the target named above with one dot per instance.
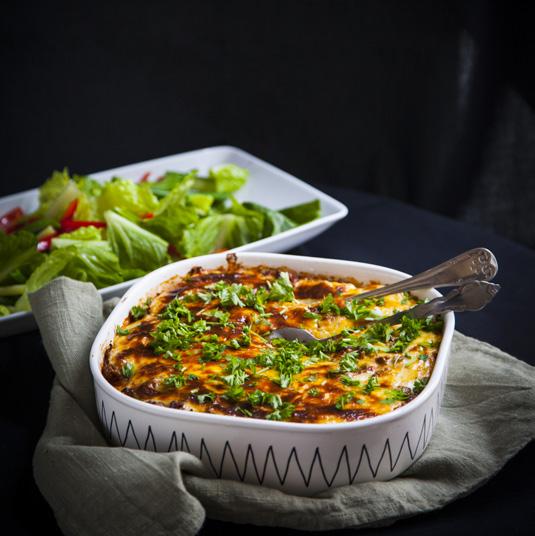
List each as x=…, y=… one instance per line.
x=157, y=277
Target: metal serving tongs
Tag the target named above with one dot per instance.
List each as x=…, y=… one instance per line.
x=470, y=272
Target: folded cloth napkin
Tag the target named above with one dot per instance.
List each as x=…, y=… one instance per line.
x=487, y=416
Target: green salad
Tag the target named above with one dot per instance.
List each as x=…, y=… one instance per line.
x=111, y=232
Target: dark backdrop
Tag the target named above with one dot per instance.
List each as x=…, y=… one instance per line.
x=428, y=102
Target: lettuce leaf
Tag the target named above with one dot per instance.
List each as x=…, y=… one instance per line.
x=17, y=251
x=90, y=191
x=53, y=187
x=56, y=194
x=304, y=212
x=53, y=266
x=173, y=215
x=253, y=218
x=202, y=203
x=228, y=177
x=170, y=180
x=84, y=233
x=83, y=260
x=274, y=221
x=218, y=232
x=124, y=194
x=93, y=261
x=136, y=247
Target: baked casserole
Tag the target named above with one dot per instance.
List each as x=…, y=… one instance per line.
x=200, y=342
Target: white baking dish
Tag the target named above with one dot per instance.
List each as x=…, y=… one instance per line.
x=297, y=458
x=267, y=185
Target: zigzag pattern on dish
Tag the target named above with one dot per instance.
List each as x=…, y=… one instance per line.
x=281, y=470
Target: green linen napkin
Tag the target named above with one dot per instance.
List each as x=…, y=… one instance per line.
x=487, y=416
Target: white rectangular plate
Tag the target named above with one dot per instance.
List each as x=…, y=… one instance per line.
x=267, y=185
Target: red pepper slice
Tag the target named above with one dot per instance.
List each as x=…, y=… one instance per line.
x=70, y=210
x=44, y=244
x=71, y=225
x=8, y=221
x=148, y=216
x=145, y=177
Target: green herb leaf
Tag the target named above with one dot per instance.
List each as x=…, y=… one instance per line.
x=347, y=380
x=371, y=385
x=329, y=305
x=281, y=289
x=282, y=413
x=206, y=397
x=120, y=331
x=212, y=351
x=419, y=385
x=343, y=400
x=175, y=380
x=128, y=369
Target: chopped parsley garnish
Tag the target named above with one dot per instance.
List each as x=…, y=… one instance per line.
x=371, y=384
x=379, y=332
x=233, y=295
x=175, y=380
x=419, y=385
x=282, y=413
x=261, y=398
x=176, y=309
x=395, y=395
x=311, y=314
x=206, y=397
x=329, y=305
x=286, y=359
x=281, y=289
x=343, y=400
x=138, y=312
x=174, y=334
x=236, y=370
x=212, y=351
x=234, y=392
x=199, y=296
x=347, y=380
x=120, y=331
x=222, y=317
x=128, y=369
x=313, y=392
x=362, y=309
x=348, y=363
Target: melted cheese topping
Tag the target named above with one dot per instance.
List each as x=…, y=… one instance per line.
x=200, y=343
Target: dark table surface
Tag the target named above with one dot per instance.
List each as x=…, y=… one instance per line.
x=377, y=230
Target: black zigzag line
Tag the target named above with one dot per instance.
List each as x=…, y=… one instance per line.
x=151, y=437
x=250, y=455
x=130, y=429
x=343, y=453
x=282, y=471
x=184, y=441
x=113, y=421
x=173, y=440
x=204, y=448
x=228, y=448
x=103, y=417
x=317, y=456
